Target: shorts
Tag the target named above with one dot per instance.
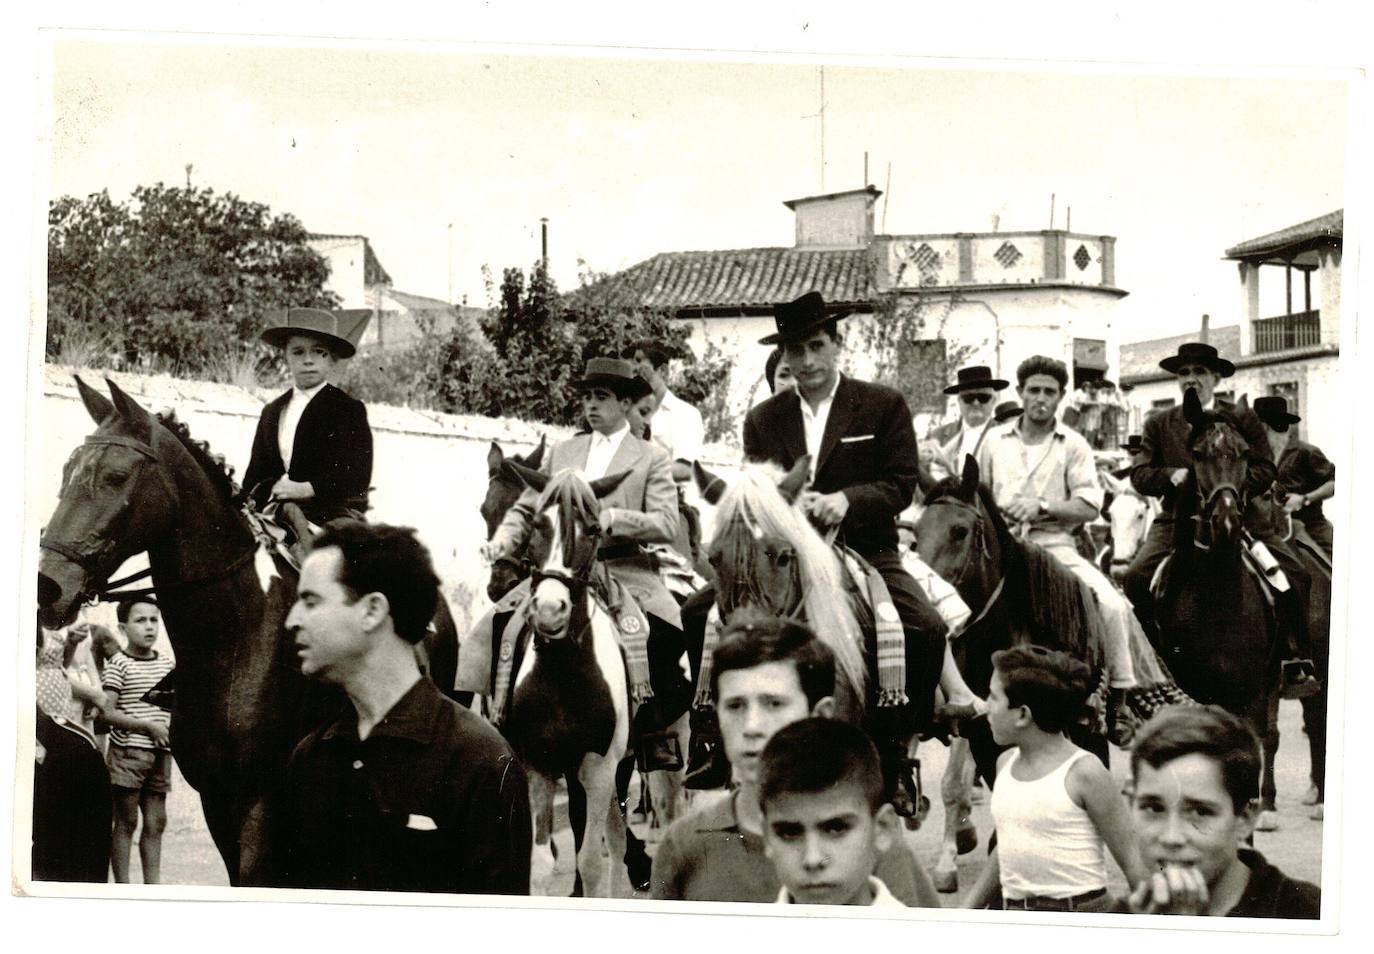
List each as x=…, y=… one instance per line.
x=142, y=770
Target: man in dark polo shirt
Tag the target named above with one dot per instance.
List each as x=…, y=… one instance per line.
x=1306, y=476
x=406, y=791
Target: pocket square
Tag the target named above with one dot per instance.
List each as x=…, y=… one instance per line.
x=421, y=823
x=856, y=438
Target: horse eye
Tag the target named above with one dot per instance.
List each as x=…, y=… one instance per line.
x=784, y=559
x=958, y=533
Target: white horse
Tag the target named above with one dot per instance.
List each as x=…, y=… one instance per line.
x=1131, y=514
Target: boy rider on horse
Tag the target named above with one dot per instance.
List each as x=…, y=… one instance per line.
x=313, y=446
x=642, y=509
x=1306, y=476
x=1163, y=469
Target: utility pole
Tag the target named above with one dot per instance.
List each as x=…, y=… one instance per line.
x=189, y=167
x=822, y=128
x=450, y=263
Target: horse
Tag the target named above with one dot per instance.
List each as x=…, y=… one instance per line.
x=1130, y=514
x=1018, y=594
x=503, y=490
x=569, y=714
x=141, y=483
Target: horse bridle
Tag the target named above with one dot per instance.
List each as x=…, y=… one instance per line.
x=741, y=591
x=575, y=578
x=978, y=545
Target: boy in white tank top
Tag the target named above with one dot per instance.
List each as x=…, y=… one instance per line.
x=1055, y=807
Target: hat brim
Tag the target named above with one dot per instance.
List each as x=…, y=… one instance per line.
x=805, y=331
x=278, y=336
x=1285, y=418
x=632, y=388
x=1008, y=415
x=1220, y=365
x=997, y=384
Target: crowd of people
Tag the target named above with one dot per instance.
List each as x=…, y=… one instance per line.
x=408, y=790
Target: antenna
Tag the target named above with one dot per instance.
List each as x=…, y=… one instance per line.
x=1051, y=210
x=822, y=115
x=1068, y=218
x=865, y=168
x=189, y=167
x=887, y=194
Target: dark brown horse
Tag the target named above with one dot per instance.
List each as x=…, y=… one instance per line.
x=139, y=484
x=503, y=490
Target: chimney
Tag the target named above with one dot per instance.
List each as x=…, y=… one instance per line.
x=544, y=242
x=838, y=220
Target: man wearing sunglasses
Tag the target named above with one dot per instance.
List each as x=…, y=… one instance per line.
x=976, y=390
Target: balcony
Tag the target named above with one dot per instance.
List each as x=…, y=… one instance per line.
x=1299, y=330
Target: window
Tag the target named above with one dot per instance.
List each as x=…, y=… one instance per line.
x=1163, y=404
x=1288, y=390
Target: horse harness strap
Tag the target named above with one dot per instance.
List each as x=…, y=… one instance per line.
x=987, y=606
x=109, y=594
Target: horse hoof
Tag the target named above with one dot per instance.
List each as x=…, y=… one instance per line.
x=965, y=840
x=1318, y=812
x=1312, y=797
x=1268, y=820
x=946, y=882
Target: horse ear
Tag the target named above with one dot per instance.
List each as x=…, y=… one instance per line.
x=131, y=412
x=791, y=486
x=534, y=479
x=604, y=485
x=494, y=459
x=712, y=487
x=924, y=479
x=97, y=404
x=536, y=456
x=1192, y=408
x=1243, y=405
x=968, y=486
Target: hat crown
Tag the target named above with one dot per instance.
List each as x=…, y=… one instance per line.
x=974, y=374
x=610, y=367
x=796, y=320
x=343, y=328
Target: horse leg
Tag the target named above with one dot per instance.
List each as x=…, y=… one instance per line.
x=665, y=788
x=577, y=821
x=596, y=779
x=617, y=831
x=960, y=837
x=541, y=814
x=637, y=860
x=1266, y=721
x=224, y=832
x=1314, y=720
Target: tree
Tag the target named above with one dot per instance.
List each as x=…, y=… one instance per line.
x=175, y=279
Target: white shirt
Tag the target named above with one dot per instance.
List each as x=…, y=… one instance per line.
x=813, y=422
x=968, y=441
x=882, y=897
x=602, y=451
x=677, y=427
x=291, y=419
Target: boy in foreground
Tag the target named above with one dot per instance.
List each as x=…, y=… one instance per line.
x=1195, y=781
x=826, y=820
x=766, y=673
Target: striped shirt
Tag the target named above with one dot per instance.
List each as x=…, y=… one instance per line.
x=129, y=679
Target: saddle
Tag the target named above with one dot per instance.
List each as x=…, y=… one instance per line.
x=1270, y=585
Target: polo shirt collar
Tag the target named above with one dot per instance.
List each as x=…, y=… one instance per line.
x=720, y=816
x=412, y=717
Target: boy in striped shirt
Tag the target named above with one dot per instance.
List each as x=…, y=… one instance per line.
x=139, y=757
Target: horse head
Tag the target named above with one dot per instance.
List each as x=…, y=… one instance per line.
x=1130, y=516
x=954, y=536
x=558, y=587
x=119, y=497
x=1220, y=467
x=503, y=489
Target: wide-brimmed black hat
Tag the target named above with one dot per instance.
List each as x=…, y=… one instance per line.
x=1006, y=411
x=1195, y=352
x=341, y=330
x=615, y=375
x=798, y=319
x=1132, y=445
x=1274, y=412
x=978, y=376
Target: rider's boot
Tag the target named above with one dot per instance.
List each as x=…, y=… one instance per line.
x=707, y=767
x=1119, y=729
x=1298, y=675
x=656, y=749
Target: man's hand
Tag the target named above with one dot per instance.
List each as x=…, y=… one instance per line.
x=1179, y=475
x=828, y=510
x=605, y=519
x=491, y=551
x=1022, y=508
x=288, y=489
x=1293, y=503
x=1175, y=890
x=161, y=734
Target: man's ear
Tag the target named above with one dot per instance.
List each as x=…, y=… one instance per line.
x=824, y=708
x=1246, y=819
x=376, y=608
x=885, y=826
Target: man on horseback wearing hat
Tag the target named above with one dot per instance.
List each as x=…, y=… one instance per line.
x=313, y=446
x=1164, y=465
x=640, y=510
x=976, y=389
x=1306, y=476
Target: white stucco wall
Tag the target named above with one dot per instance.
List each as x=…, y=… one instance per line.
x=346, y=259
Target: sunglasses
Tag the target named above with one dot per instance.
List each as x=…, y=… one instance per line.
x=975, y=398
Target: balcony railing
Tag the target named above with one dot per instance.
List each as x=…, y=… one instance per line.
x=1298, y=330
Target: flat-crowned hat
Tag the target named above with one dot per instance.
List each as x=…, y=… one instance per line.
x=341, y=330
x=615, y=375
x=1274, y=412
x=796, y=320
x=1006, y=411
x=977, y=376
x=1195, y=352
x=1132, y=445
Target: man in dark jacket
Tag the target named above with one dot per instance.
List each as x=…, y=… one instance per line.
x=313, y=446
x=1162, y=469
x=1306, y=475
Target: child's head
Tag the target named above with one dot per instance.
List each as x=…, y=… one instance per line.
x=1194, y=777
x=138, y=619
x=310, y=359
x=1035, y=688
x=825, y=818
x=766, y=672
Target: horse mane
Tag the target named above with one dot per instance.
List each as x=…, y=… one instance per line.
x=1218, y=435
x=219, y=471
x=577, y=505
x=754, y=499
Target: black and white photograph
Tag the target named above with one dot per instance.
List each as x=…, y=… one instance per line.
x=752, y=480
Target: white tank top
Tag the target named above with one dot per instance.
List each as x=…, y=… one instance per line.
x=1047, y=846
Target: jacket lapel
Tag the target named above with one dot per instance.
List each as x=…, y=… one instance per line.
x=841, y=410
x=626, y=455
x=791, y=429
x=316, y=410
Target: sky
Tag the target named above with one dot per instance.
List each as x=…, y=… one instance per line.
x=447, y=159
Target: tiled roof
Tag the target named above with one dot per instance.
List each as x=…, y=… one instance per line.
x=750, y=278
x=1328, y=226
x=1140, y=359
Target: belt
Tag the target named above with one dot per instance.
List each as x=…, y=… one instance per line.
x=1034, y=903
x=621, y=551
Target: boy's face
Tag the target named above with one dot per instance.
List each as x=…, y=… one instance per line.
x=605, y=412
x=639, y=414
x=1003, y=720
x=141, y=629
x=824, y=845
x=1183, y=816
x=751, y=705
x=309, y=360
